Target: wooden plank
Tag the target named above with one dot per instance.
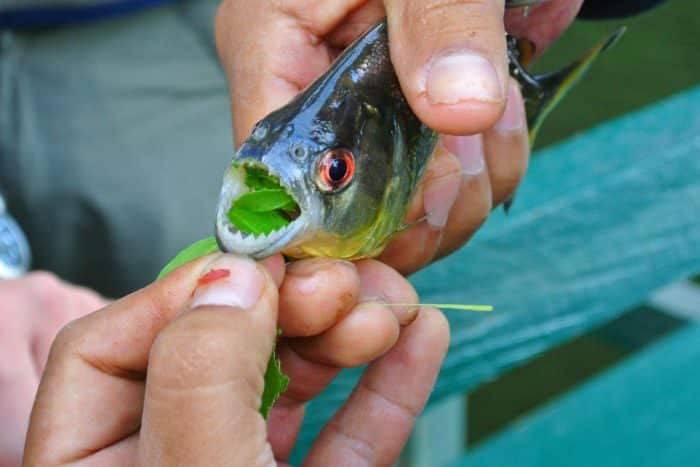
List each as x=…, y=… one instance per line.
x=643, y=413
x=600, y=222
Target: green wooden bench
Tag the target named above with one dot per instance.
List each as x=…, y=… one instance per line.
x=643, y=413
x=601, y=221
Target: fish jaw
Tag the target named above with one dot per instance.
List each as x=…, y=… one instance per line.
x=232, y=240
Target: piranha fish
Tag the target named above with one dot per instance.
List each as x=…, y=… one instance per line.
x=347, y=153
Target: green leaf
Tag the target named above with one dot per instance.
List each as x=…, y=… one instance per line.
x=256, y=222
x=266, y=199
x=276, y=383
x=199, y=248
x=258, y=179
x=262, y=210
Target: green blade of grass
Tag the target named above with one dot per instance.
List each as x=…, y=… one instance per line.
x=447, y=306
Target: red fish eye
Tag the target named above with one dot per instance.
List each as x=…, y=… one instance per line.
x=336, y=168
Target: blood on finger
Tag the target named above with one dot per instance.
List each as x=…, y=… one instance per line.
x=213, y=276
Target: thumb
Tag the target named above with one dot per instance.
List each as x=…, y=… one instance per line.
x=450, y=57
x=206, y=372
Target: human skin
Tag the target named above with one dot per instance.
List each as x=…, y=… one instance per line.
x=469, y=175
x=451, y=62
x=32, y=310
x=173, y=373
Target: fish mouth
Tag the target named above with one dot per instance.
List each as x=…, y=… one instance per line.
x=249, y=238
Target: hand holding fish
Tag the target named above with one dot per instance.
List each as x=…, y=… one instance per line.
x=451, y=62
x=173, y=373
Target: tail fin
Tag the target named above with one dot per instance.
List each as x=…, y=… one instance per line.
x=543, y=92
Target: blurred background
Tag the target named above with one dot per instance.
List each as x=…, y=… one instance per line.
x=657, y=58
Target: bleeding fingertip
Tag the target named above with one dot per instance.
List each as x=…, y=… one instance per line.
x=231, y=282
x=469, y=150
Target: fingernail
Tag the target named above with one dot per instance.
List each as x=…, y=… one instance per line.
x=229, y=281
x=513, y=118
x=461, y=76
x=469, y=150
x=438, y=198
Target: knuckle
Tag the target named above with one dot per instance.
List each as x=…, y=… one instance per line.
x=358, y=449
x=457, y=16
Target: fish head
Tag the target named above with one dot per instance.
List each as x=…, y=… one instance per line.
x=339, y=158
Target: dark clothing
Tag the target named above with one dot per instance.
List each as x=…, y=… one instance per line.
x=35, y=14
x=598, y=9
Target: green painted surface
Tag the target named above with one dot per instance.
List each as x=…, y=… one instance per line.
x=657, y=57
x=600, y=221
x=495, y=405
x=643, y=413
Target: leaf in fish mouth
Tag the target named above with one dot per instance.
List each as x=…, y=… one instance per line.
x=265, y=208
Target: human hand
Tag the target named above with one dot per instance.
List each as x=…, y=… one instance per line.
x=174, y=372
x=32, y=310
x=450, y=58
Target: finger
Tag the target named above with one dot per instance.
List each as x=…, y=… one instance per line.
x=307, y=379
x=276, y=267
x=450, y=57
x=316, y=294
x=310, y=371
x=373, y=425
x=370, y=330
x=474, y=200
x=207, y=368
x=507, y=148
x=93, y=383
x=433, y=201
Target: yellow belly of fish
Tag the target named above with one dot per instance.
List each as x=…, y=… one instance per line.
x=323, y=245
